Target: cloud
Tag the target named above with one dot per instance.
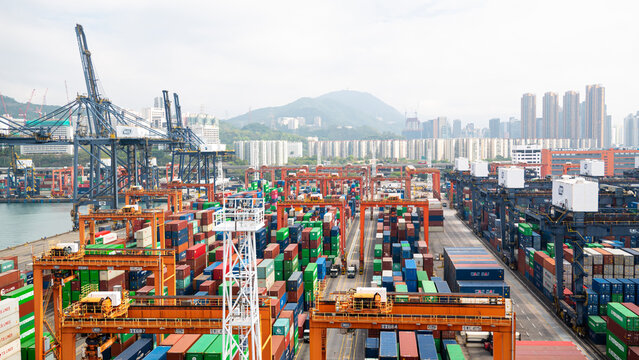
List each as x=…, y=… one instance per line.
x=465, y=59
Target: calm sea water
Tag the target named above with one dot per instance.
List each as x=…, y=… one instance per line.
x=21, y=223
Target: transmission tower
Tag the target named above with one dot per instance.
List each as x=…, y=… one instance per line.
x=241, y=312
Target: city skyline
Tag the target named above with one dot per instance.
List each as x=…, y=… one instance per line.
x=241, y=56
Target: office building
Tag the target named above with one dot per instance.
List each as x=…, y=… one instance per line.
x=572, y=130
x=631, y=130
x=493, y=126
x=595, y=113
x=63, y=132
x=550, y=122
x=457, y=128
x=529, y=116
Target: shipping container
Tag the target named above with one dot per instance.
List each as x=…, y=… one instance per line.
x=387, y=345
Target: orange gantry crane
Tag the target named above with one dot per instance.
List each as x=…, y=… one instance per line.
x=156, y=217
x=415, y=311
x=209, y=188
x=345, y=170
x=271, y=170
x=163, y=315
x=173, y=197
x=379, y=167
x=63, y=181
x=339, y=204
x=365, y=204
x=324, y=180
x=403, y=180
x=410, y=171
x=63, y=263
x=569, y=166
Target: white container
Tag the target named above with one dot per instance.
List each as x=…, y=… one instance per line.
x=591, y=167
x=212, y=147
x=143, y=233
x=9, y=321
x=575, y=194
x=116, y=297
x=10, y=335
x=511, y=177
x=133, y=132
x=110, y=274
x=479, y=169
x=10, y=350
x=419, y=261
x=109, y=238
x=144, y=243
x=328, y=217
x=636, y=162
x=8, y=307
x=461, y=164
x=73, y=247
x=377, y=290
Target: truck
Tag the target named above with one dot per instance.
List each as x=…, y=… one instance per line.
x=335, y=271
x=351, y=271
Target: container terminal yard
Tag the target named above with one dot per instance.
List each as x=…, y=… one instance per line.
x=360, y=261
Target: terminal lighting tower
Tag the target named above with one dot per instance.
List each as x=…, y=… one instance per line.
x=241, y=314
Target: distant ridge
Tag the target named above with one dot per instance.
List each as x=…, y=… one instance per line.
x=338, y=108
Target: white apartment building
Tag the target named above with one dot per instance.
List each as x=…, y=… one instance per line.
x=267, y=152
x=61, y=132
x=210, y=134
x=474, y=149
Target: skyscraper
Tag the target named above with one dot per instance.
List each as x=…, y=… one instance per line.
x=595, y=113
x=528, y=116
x=571, y=115
x=550, y=116
x=631, y=130
x=493, y=125
x=457, y=128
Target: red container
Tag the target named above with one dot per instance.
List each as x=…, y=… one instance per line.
x=9, y=277
x=171, y=340
x=277, y=289
x=290, y=252
x=293, y=296
x=633, y=353
x=271, y=251
x=408, y=346
x=10, y=287
x=182, y=271
x=178, y=351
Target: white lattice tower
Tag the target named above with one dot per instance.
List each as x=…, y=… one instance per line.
x=241, y=313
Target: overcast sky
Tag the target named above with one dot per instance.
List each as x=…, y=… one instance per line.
x=461, y=59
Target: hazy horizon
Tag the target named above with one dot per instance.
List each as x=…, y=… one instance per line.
x=470, y=60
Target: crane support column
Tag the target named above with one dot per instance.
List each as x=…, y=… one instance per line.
x=317, y=343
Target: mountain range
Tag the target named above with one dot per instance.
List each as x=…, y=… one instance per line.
x=338, y=108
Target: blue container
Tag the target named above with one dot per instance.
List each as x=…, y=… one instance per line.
x=294, y=281
x=601, y=286
x=411, y=286
x=159, y=353
x=321, y=268
x=387, y=345
x=484, y=287
x=616, y=287
x=137, y=350
x=604, y=299
x=426, y=346
x=410, y=270
x=445, y=342
x=372, y=348
x=592, y=297
x=592, y=309
x=442, y=287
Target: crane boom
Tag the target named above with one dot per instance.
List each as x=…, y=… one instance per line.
x=167, y=112
x=178, y=110
x=3, y=104
x=87, y=65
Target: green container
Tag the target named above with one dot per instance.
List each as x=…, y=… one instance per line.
x=455, y=352
x=281, y=326
x=279, y=262
x=316, y=252
x=6, y=265
x=623, y=316
x=428, y=286
x=422, y=275
x=616, y=298
x=397, y=267
x=265, y=268
x=23, y=294
x=310, y=274
x=197, y=350
x=377, y=265
x=282, y=234
x=596, y=324
x=401, y=288
x=306, y=253
x=525, y=229
x=603, y=309
x=315, y=234
x=615, y=348
x=279, y=275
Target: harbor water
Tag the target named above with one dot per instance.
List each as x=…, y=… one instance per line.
x=22, y=223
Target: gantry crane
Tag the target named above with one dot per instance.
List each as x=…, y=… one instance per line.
x=264, y=169
x=403, y=180
x=127, y=214
x=323, y=180
x=416, y=311
x=173, y=197
x=162, y=315
x=365, y=204
x=435, y=173
x=62, y=268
